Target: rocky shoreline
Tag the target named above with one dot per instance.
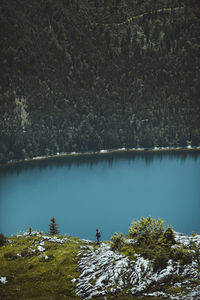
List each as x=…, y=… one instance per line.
x=101, y=152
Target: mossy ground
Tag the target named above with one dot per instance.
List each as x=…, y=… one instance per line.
x=33, y=277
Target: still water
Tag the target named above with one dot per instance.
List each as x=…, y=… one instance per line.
x=105, y=192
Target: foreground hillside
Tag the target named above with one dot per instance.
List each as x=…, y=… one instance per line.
x=38, y=266
x=88, y=75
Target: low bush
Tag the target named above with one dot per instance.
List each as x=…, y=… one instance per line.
x=159, y=255
x=147, y=253
x=128, y=250
x=182, y=255
x=161, y=258
x=117, y=241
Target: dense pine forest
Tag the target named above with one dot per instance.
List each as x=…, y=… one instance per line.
x=81, y=75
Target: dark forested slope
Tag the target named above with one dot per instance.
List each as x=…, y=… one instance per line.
x=80, y=75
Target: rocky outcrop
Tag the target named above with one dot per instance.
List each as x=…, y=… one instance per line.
x=104, y=271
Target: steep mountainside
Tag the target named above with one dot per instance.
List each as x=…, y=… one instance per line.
x=86, y=75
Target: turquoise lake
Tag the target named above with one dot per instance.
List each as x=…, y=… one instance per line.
x=102, y=191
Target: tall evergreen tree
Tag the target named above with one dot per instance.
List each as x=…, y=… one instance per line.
x=53, y=227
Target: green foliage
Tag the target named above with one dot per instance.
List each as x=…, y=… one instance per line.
x=194, y=233
x=147, y=230
x=168, y=238
x=30, y=230
x=161, y=257
x=117, y=241
x=153, y=241
x=196, y=254
x=129, y=251
x=174, y=290
x=189, y=285
x=147, y=252
x=2, y=239
x=53, y=227
x=184, y=256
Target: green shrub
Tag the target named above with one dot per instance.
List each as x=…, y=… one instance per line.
x=117, y=241
x=2, y=239
x=128, y=250
x=161, y=258
x=159, y=255
x=147, y=229
x=194, y=233
x=168, y=238
x=148, y=253
x=174, y=290
x=182, y=255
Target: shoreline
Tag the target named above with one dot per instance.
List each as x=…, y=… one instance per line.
x=101, y=152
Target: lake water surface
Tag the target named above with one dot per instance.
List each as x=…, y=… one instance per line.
x=102, y=191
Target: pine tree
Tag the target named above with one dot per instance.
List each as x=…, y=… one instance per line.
x=30, y=230
x=53, y=227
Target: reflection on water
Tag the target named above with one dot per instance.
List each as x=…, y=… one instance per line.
x=93, y=159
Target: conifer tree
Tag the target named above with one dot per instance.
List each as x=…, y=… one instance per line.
x=30, y=230
x=53, y=227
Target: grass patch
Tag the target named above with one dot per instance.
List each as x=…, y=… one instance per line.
x=30, y=276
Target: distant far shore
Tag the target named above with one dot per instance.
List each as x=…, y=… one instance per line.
x=101, y=152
